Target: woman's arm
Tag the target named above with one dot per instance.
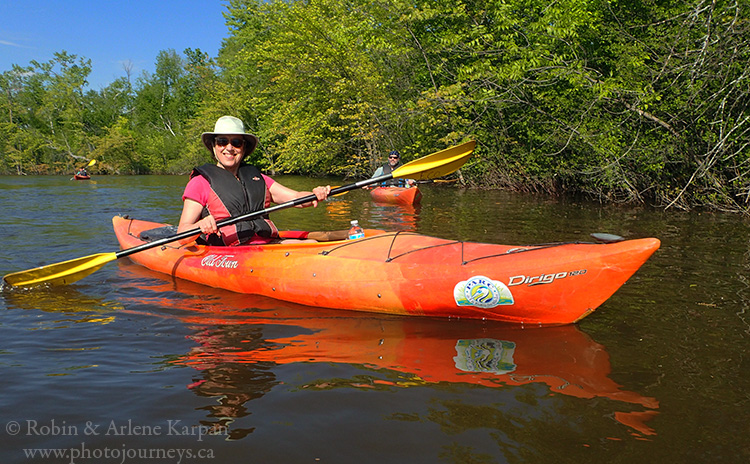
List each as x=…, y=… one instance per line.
x=191, y=219
x=281, y=194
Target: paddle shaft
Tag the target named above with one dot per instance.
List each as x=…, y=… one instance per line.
x=253, y=215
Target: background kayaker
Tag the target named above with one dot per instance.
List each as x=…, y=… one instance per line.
x=232, y=187
x=394, y=162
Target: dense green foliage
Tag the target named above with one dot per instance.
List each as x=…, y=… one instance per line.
x=625, y=100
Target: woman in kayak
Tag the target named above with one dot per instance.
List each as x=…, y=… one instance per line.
x=394, y=162
x=231, y=188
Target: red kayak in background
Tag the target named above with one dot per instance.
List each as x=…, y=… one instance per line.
x=397, y=195
x=82, y=173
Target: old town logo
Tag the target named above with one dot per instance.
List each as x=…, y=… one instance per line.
x=224, y=261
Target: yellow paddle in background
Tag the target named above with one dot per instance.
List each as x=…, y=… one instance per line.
x=91, y=163
x=432, y=166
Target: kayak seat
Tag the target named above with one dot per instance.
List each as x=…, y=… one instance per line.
x=158, y=233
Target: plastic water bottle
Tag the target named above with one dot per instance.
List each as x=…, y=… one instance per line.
x=355, y=231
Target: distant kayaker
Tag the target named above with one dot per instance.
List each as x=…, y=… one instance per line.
x=231, y=187
x=394, y=162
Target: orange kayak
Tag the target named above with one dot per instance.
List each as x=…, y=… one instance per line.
x=405, y=273
x=398, y=195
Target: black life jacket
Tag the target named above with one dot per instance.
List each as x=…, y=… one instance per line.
x=387, y=169
x=234, y=196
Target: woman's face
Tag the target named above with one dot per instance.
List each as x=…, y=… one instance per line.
x=229, y=150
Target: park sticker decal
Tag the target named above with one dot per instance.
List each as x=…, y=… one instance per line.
x=485, y=355
x=482, y=292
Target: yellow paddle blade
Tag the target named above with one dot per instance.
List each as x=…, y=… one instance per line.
x=92, y=162
x=438, y=164
x=60, y=273
x=339, y=193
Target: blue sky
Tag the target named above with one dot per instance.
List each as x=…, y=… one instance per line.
x=109, y=33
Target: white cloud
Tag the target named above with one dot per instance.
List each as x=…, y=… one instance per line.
x=11, y=44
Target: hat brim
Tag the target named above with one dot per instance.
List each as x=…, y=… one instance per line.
x=251, y=141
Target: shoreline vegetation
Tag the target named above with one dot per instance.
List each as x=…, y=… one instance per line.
x=623, y=102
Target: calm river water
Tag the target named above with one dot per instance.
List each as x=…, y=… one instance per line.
x=131, y=366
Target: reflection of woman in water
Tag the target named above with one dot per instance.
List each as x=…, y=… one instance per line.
x=232, y=383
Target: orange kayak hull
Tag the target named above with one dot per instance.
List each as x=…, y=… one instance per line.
x=397, y=195
x=404, y=273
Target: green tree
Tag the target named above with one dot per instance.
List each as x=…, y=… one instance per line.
x=11, y=85
x=61, y=112
x=104, y=108
x=117, y=147
x=326, y=95
x=44, y=106
x=164, y=105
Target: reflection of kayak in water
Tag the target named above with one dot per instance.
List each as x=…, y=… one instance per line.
x=398, y=195
x=393, y=217
x=405, y=273
x=233, y=329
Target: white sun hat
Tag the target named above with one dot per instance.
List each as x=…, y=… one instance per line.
x=229, y=125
